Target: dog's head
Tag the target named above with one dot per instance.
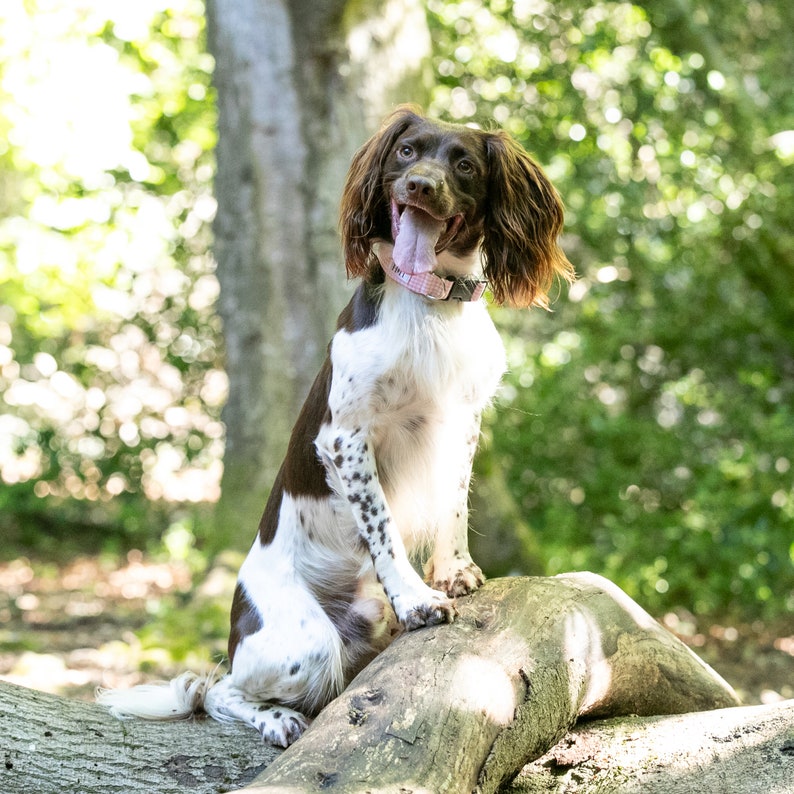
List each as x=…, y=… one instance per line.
x=463, y=189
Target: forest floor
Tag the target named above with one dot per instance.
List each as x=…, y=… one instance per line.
x=104, y=621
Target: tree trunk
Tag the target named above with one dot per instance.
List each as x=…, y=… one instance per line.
x=456, y=708
x=300, y=85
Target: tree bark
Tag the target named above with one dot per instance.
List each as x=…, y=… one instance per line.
x=50, y=745
x=454, y=708
x=300, y=85
x=746, y=750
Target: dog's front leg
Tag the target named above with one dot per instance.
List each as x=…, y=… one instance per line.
x=350, y=456
x=451, y=568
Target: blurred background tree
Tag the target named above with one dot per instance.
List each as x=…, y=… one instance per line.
x=299, y=87
x=645, y=427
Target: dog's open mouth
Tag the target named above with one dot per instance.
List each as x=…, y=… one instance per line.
x=419, y=237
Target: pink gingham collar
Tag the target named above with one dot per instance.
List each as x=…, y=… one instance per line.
x=431, y=285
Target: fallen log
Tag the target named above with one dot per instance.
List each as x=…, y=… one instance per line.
x=462, y=708
x=747, y=750
x=51, y=745
x=453, y=708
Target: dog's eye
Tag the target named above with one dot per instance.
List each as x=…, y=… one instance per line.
x=406, y=150
x=466, y=167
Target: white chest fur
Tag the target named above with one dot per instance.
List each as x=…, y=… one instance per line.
x=415, y=383
x=419, y=353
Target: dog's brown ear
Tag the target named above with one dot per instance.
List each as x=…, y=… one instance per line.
x=364, y=210
x=524, y=220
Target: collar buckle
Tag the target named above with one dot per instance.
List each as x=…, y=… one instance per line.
x=465, y=289
x=437, y=288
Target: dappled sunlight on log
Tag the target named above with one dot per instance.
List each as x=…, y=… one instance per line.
x=590, y=674
x=484, y=687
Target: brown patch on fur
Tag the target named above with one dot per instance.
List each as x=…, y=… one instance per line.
x=245, y=620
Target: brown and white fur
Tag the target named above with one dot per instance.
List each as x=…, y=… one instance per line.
x=379, y=463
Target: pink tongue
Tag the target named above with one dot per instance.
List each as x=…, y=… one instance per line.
x=415, y=246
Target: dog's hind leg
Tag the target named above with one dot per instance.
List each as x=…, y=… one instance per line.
x=276, y=723
x=286, y=654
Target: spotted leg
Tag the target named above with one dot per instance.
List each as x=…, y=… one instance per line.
x=352, y=459
x=277, y=724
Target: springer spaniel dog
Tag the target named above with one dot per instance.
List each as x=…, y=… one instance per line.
x=378, y=466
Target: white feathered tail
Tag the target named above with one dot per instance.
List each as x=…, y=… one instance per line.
x=177, y=699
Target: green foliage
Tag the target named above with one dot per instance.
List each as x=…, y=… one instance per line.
x=645, y=427
x=180, y=627
x=109, y=374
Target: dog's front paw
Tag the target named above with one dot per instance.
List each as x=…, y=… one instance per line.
x=458, y=579
x=432, y=608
